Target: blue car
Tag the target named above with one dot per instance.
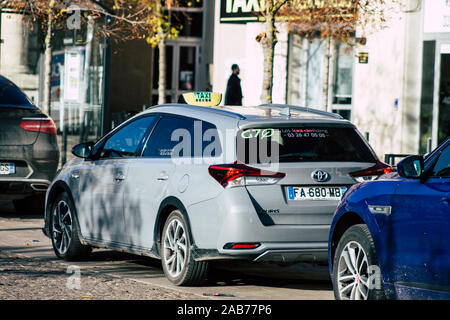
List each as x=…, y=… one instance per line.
x=390, y=238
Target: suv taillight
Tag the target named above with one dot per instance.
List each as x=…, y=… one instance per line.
x=39, y=125
x=371, y=173
x=238, y=174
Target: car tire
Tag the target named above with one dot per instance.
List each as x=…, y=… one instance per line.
x=356, y=273
x=64, y=230
x=176, y=253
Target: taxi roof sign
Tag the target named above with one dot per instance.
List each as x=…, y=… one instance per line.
x=203, y=99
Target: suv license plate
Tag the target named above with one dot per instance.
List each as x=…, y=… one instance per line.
x=316, y=193
x=7, y=168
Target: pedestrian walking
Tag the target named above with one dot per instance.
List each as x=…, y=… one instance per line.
x=233, y=94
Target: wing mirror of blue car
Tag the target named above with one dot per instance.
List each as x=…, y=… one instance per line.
x=83, y=150
x=411, y=167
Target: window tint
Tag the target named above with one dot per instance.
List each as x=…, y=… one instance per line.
x=302, y=144
x=183, y=137
x=442, y=166
x=10, y=94
x=126, y=142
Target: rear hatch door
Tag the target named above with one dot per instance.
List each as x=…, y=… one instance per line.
x=316, y=159
x=11, y=131
x=14, y=107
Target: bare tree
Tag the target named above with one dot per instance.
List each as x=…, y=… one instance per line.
x=268, y=39
x=327, y=19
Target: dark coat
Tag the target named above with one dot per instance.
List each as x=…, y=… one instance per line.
x=233, y=95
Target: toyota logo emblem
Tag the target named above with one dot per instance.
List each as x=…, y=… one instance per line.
x=320, y=175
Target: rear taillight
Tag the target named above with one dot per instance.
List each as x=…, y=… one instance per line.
x=251, y=245
x=371, y=173
x=39, y=125
x=238, y=174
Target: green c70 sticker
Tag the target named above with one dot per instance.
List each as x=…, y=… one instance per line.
x=254, y=133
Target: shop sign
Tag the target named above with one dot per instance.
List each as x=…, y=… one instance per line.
x=55, y=80
x=243, y=11
x=239, y=11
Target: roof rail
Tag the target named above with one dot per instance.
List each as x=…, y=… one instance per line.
x=286, y=110
x=216, y=110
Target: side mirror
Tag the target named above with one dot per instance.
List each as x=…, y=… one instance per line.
x=83, y=150
x=411, y=167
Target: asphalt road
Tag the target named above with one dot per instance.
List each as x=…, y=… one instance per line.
x=22, y=240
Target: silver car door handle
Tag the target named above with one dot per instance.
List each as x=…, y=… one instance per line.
x=119, y=177
x=75, y=175
x=163, y=177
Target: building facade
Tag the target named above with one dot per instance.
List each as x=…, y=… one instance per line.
x=393, y=87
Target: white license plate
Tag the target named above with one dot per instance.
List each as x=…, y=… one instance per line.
x=316, y=193
x=7, y=168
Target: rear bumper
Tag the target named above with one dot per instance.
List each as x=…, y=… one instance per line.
x=16, y=189
x=280, y=253
x=231, y=218
x=35, y=168
x=293, y=255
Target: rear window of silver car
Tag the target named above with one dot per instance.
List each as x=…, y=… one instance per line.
x=302, y=144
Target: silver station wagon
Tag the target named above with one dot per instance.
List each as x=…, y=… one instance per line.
x=188, y=184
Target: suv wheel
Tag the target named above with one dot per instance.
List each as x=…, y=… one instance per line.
x=64, y=231
x=177, y=261
x=356, y=274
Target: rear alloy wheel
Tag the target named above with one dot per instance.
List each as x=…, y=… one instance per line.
x=356, y=273
x=64, y=231
x=178, y=263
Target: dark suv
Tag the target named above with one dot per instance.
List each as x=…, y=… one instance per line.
x=28, y=149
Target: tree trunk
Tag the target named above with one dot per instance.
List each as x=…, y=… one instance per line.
x=162, y=54
x=326, y=74
x=48, y=63
x=268, y=46
x=162, y=72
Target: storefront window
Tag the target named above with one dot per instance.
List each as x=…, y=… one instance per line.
x=189, y=28
x=307, y=72
x=306, y=57
x=187, y=68
x=342, y=93
x=314, y=72
x=426, y=103
x=444, y=100
x=183, y=55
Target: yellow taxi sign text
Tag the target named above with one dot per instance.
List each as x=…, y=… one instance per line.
x=203, y=99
